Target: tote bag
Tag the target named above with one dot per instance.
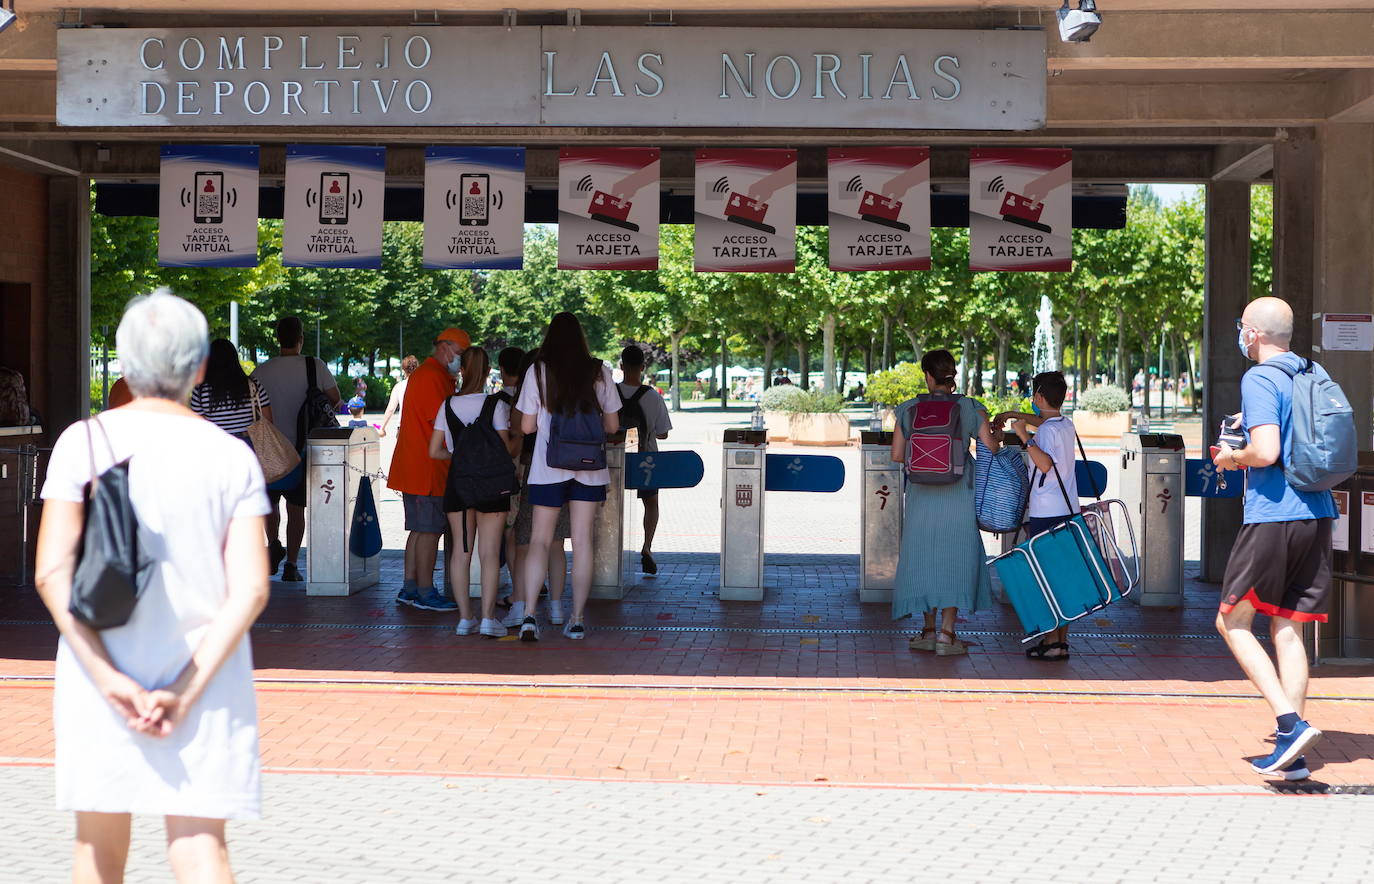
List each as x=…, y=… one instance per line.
x=275, y=452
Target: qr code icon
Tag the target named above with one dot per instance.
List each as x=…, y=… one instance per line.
x=474, y=205
x=334, y=206
x=207, y=204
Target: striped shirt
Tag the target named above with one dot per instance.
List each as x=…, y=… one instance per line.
x=231, y=416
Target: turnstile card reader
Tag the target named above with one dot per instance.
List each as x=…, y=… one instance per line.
x=880, y=517
x=1152, y=488
x=741, y=515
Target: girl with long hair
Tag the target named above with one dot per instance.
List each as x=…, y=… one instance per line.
x=565, y=380
x=227, y=395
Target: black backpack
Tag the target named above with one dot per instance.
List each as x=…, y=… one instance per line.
x=316, y=411
x=632, y=412
x=481, y=470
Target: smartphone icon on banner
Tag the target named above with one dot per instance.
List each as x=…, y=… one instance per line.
x=474, y=208
x=334, y=197
x=209, y=200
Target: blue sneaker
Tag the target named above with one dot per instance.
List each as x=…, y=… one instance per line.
x=434, y=600
x=1287, y=747
x=408, y=595
x=1297, y=770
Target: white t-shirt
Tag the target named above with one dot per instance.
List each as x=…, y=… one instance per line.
x=284, y=379
x=1057, y=439
x=188, y=480
x=468, y=408
x=656, y=419
x=532, y=403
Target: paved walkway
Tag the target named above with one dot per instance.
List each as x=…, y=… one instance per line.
x=693, y=739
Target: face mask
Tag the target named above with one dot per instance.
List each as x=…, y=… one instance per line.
x=455, y=363
x=1035, y=409
x=1244, y=347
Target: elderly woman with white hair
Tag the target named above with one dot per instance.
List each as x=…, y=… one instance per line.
x=158, y=716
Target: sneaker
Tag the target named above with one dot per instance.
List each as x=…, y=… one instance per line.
x=492, y=628
x=1297, y=770
x=275, y=553
x=515, y=616
x=555, y=612
x=408, y=596
x=1287, y=747
x=291, y=574
x=575, y=631
x=647, y=563
x=465, y=627
x=434, y=600
x=529, y=630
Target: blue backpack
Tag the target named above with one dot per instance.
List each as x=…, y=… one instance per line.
x=576, y=442
x=1323, y=450
x=1003, y=489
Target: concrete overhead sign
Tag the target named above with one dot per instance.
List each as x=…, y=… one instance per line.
x=552, y=76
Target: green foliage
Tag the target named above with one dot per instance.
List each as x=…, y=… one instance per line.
x=815, y=402
x=781, y=398
x=996, y=405
x=895, y=386
x=1104, y=400
x=378, y=391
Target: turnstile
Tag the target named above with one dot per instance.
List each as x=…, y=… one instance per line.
x=1152, y=487
x=880, y=517
x=1349, y=630
x=741, y=515
x=336, y=462
x=608, y=532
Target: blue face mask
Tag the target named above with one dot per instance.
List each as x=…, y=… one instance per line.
x=1244, y=347
x=1035, y=409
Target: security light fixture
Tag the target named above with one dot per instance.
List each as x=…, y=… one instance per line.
x=1078, y=25
x=6, y=15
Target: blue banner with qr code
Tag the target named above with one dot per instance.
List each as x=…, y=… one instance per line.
x=333, y=211
x=208, y=206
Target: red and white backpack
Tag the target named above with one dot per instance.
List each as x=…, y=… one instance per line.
x=936, y=449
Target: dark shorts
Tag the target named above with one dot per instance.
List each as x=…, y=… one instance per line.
x=490, y=506
x=559, y=493
x=294, y=496
x=1282, y=568
x=1040, y=524
x=646, y=493
x=425, y=513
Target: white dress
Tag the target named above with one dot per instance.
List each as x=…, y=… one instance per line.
x=188, y=479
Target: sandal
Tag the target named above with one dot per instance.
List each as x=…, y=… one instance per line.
x=951, y=648
x=921, y=643
x=1042, y=651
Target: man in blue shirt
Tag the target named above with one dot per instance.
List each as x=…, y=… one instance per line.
x=1281, y=563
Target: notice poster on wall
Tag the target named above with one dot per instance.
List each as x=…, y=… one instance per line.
x=879, y=208
x=1367, y=522
x=746, y=210
x=1020, y=208
x=208, y=206
x=1340, y=531
x=333, y=212
x=474, y=208
x=608, y=208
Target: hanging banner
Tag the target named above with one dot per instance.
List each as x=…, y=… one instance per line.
x=608, y=208
x=474, y=208
x=1021, y=209
x=208, y=206
x=333, y=213
x=879, y=208
x=746, y=210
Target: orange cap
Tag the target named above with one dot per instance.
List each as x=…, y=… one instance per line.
x=456, y=336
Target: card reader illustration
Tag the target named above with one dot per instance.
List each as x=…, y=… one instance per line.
x=1025, y=208
x=749, y=208
x=613, y=210
x=884, y=206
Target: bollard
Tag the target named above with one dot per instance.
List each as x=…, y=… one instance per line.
x=741, y=515
x=1152, y=487
x=608, y=532
x=336, y=461
x=880, y=517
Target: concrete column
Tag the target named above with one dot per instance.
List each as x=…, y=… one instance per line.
x=1295, y=230
x=1227, y=293
x=68, y=308
x=1345, y=252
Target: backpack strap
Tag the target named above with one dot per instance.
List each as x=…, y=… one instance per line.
x=311, y=383
x=488, y=415
x=1062, y=490
x=505, y=397
x=636, y=395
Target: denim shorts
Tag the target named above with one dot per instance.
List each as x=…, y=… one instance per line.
x=558, y=493
x=425, y=513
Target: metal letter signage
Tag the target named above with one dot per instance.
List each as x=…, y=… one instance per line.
x=208, y=206
x=333, y=214
x=746, y=210
x=608, y=208
x=1020, y=209
x=474, y=208
x=880, y=208
x=552, y=76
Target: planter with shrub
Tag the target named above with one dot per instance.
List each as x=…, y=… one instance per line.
x=817, y=418
x=776, y=403
x=1103, y=413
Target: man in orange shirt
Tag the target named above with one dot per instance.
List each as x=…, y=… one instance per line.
x=419, y=477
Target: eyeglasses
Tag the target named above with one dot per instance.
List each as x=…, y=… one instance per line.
x=1240, y=325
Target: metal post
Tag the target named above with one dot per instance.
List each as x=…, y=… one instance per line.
x=104, y=367
x=608, y=532
x=234, y=323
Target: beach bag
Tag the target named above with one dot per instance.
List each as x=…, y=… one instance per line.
x=936, y=449
x=316, y=411
x=112, y=570
x=275, y=454
x=1002, y=489
x=481, y=470
x=1323, y=450
x=365, y=536
x=576, y=442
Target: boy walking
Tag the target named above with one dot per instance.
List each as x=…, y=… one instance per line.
x=1281, y=562
x=642, y=409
